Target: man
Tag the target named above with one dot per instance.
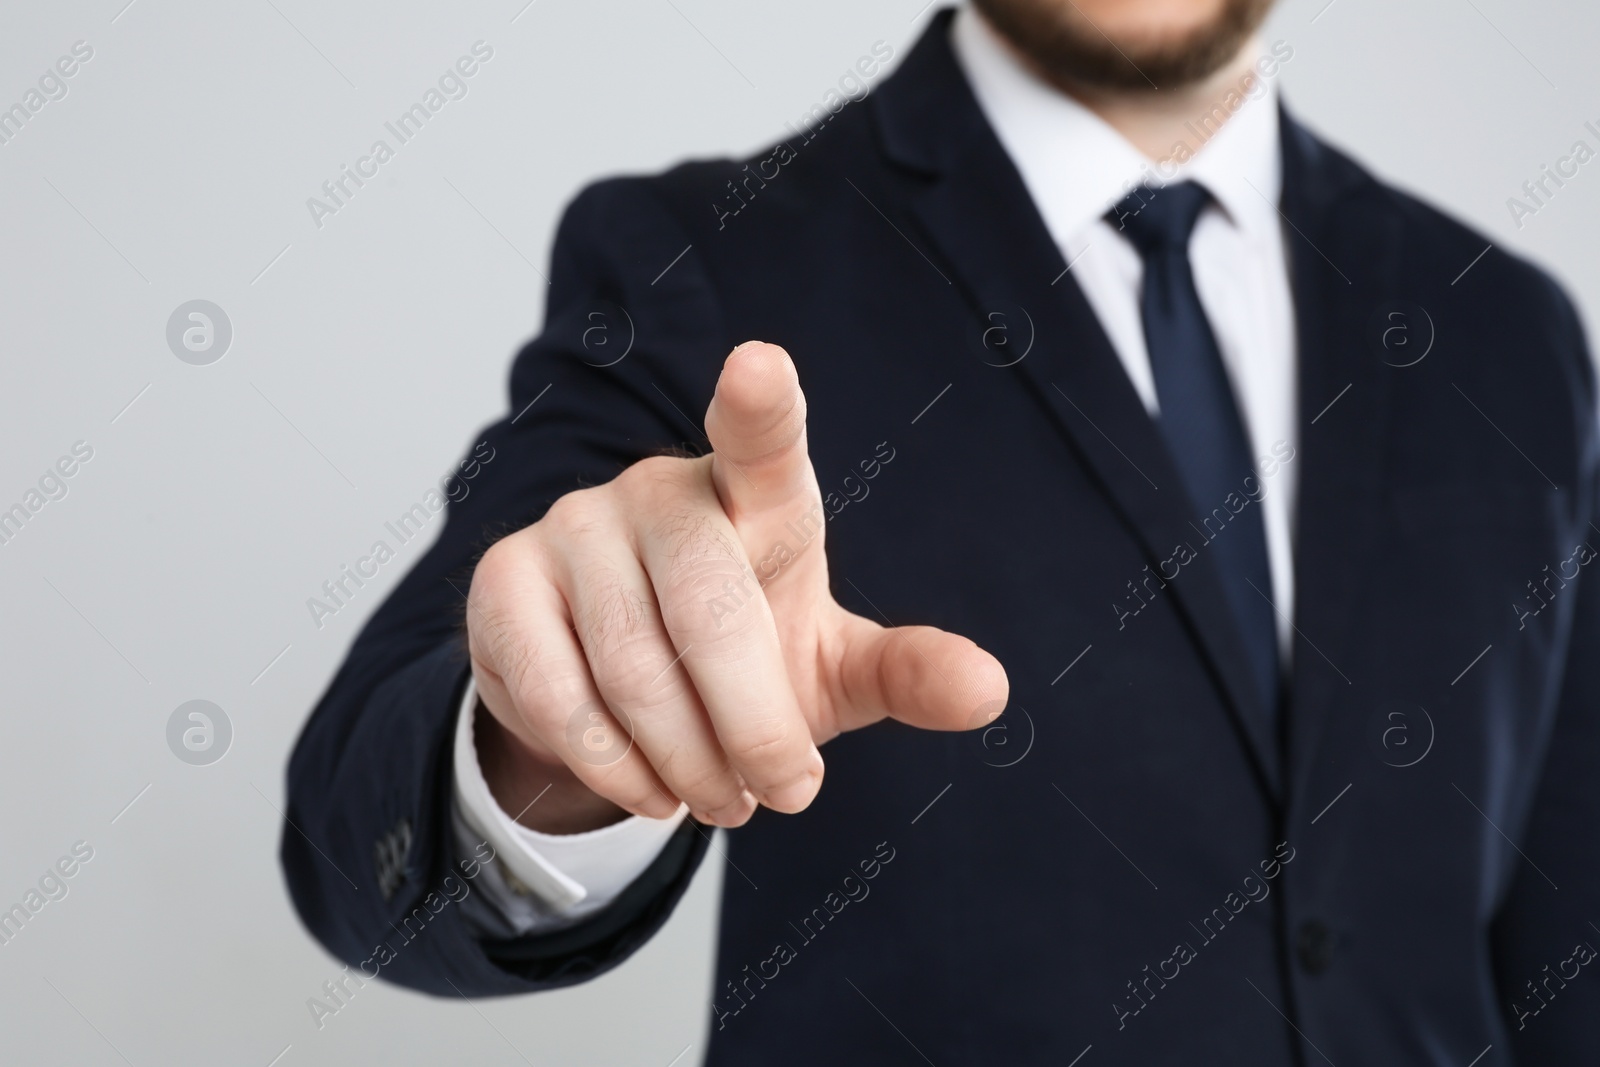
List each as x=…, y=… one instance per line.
x=1259, y=494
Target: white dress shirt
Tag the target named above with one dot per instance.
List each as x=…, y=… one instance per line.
x=1075, y=167
x=553, y=879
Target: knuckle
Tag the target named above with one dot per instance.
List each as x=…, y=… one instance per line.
x=765, y=743
x=688, y=533
x=574, y=514
x=490, y=629
x=616, y=624
x=492, y=571
x=509, y=566
x=497, y=634
x=513, y=660
x=706, y=600
x=705, y=578
x=655, y=481
x=707, y=785
x=653, y=470
x=623, y=670
x=625, y=785
x=662, y=485
x=547, y=701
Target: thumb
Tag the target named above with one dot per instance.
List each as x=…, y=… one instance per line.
x=757, y=427
x=920, y=675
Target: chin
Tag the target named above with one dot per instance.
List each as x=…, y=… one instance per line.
x=1133, y=44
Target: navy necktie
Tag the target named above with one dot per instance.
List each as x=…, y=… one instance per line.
x=1199, y=418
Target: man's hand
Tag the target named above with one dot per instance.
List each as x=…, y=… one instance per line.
x=671, y=635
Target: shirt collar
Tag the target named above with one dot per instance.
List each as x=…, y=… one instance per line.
x=1076, y=166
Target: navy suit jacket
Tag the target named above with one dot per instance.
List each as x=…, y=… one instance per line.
x=1127, y=859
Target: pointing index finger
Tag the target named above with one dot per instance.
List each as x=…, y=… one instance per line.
x=757, y=427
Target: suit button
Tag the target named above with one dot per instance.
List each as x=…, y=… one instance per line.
x=1314, y=946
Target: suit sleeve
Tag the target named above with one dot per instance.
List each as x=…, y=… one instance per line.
x=1544, y=940
x=625, y=364
x=539, y=882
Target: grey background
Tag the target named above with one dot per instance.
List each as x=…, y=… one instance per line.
x=364, y=357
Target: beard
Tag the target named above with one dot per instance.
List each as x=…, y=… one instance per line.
x=1059, y=38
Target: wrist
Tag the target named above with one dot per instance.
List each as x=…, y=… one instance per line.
x=537, y=790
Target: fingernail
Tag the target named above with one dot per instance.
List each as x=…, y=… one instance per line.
x=794, y=796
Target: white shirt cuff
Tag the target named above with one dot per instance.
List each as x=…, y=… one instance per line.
x=561, y=878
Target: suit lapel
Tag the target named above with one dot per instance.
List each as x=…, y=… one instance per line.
x=969, y=203
x=1345, y=258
